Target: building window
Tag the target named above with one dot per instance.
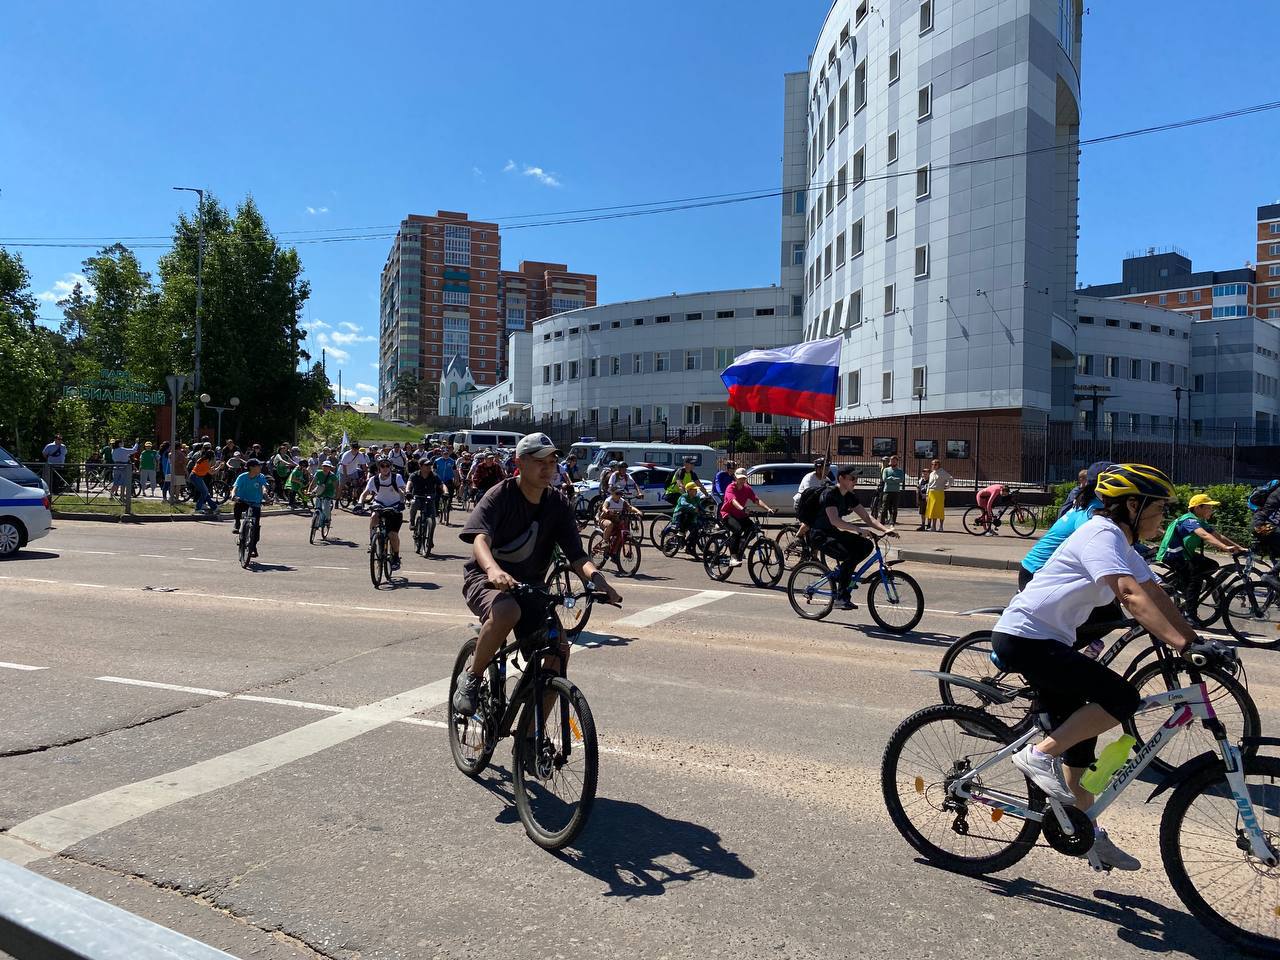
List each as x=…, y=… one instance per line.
x=797, y=202
x=831, y=124
x=660, y=412
x=1275, y=228
x=693, y=360
x=1135, y=369
x=638, y=322
x=840, y=244
x=1084, y=364
x=573, y=369
x=893, y=147
x=861, y=13
x=1155, y=371
x=797, y=254
x=457, y=245
x=891, y=223
x=557, y=372
x=854, y=317
x=826, y=261
x=615, y=366
x=924, y=102
x=1164, y=298
x=460, y=298
x=886, y=385
x=724, y=357
x=843, y=103
x=561, y=304
x=764, y=311
x=1273, y=293
x=558, y=335
x=692, y=414
x=922, y=182
x=1112, y=365
x=763, y=419
x=1195, y=295
x=1272, y=271
x=797, y=305
x=895, y=66
x=919, y=383
x=853, y=387
x=691, y=317
x=724, y=314
x=860, y=85
x=593, y=367
x=637, y=413
x=637, y=363
x=926, y=16
x=890, y=298
x=1182, y=297
x=667, y=319
x=613, y=414
x=546, y=373
x=922, y=262
x=856, y=239
x=842, y=183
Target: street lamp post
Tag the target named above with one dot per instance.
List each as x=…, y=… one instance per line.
x=232, y=404
x=195, y=382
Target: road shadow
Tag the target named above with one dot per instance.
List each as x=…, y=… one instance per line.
x=443, y=556
x=590, y=640
x=623, y=842
x=25, y=554
x=1139, y=921
x=339, y=542
x=258, y=567
x=925, y=638
x=414, y=585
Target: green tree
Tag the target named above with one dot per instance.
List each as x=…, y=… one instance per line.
x=325, y=428
x=29, y=371
x=407, y=395
x=735, y=432
x=774, y=442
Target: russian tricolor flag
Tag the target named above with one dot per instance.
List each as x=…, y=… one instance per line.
x=797, y=381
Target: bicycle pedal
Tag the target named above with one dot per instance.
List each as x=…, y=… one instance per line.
x=1096, y=864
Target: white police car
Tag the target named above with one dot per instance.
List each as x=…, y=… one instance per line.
x=24, y=516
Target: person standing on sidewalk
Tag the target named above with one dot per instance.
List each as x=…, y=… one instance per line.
x=120, y=456
x=55, y=455
x=148, y=460
x=935, y=511
x=893, y=478
x=178, y=477
x=922, y=492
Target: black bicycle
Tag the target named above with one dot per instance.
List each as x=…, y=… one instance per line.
x=446, y=504
x=763, y=557
x=321, y=518
x=248, y=522
x=980, y=522
x=555, y=757
x=424, y=527
x=380, y=548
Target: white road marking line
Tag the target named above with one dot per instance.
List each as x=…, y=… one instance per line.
x=330, y=568
x=52, y=832
x=104, y=553
x=423, y=722
x=205, y=559
x=95, y=586
x=199, y=691
x=655, y=614
x=301, y=704
x=154, y=556
x=19, y=666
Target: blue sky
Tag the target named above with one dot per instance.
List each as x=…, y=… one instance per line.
x=350, y=115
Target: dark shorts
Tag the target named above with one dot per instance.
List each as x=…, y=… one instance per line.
x=481, y=597
x=1066, y=680
x=393, y=519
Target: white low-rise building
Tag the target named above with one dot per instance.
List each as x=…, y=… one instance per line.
x=513, y=396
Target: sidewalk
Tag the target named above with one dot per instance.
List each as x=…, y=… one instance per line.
x=959, y=549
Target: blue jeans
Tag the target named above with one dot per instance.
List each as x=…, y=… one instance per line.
x=202, y=493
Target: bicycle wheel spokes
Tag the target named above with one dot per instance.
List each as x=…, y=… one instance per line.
x=1231, y=702
x=811, y=591
x=1252, y=614
x=970, y=657
x=764, y=563
x=972, y=521
x=1202, y=833
x=555, y=772
x=629, y=557
x=1022, y=521
x=716, y=558
x=895, y=601
x=930, y=750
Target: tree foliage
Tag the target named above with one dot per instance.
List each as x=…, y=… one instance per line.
x=407, y=394
x=28, y=361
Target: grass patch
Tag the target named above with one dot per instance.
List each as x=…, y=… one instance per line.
x=69, y=503
x=382, y=430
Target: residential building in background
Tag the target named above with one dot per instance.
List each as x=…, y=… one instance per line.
x=942, y=205
x=444, y=295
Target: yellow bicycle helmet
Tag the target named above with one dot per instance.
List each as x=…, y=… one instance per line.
x=1134, y=480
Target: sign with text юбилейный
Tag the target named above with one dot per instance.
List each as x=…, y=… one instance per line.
x=116, y=386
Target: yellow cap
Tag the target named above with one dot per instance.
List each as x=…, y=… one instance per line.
x=1202, y=500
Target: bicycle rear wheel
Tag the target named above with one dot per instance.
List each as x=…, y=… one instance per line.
x=895, y=601
x=656, y=526
x=789, y=544
x=1022, y=521
x=929, y=750
x=555, y=771
x=970, y=657
x=1229, y=890
x=973, y=522
x=764, y=563
x=1252, y=614
x=471, y=739
x=811, y=590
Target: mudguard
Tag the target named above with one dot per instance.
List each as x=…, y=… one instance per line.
x=975, y=685
x=981, y=611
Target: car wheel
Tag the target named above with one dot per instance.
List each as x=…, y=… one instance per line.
x=12, y=536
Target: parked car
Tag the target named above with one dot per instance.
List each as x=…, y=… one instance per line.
x=11, y=469
x=776, y=483
x=651, y=480
x=24, y=515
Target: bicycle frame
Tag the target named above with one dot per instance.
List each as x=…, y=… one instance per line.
x=876, y=558
x=1190, y=704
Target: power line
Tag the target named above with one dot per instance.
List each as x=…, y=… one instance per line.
x=655, y=207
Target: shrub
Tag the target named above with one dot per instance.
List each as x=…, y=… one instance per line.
x=1232, y=518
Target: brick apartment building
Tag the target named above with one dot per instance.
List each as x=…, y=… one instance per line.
x=444, y=294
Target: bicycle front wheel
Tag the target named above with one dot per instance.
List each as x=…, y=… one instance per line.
x=1202, y=833
x=670, y=542
x=970, y=657
x=972, y=521
x=789, y=544
x=1231, y=702
x=895, y=601
x=315, y=526
x=1022, y=521
x=811, y=591
x=377, y=548
x=716, y=558
x=764, y=563
x=246, y=538
x=554, y=770
x=565, y=583
x=1252, y=614
x=628, y=557
x=925, y=755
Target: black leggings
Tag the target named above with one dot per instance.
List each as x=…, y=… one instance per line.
x=256, y=510
x=740, y=528
x=1065, y=680
x=848, y=550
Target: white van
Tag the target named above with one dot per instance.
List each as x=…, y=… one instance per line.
x=484, y=439
x=659, y=454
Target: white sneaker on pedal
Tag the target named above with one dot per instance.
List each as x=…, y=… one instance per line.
x=1045, y=772
x=1104, y=853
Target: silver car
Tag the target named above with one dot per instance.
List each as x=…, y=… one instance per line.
x=776, y=483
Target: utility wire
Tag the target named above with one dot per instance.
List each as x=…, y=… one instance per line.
x=655, y=207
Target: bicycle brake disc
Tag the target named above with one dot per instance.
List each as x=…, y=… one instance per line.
x=1079, y=842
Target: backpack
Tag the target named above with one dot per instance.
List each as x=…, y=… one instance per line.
x=1259, y=495
x=809, y=507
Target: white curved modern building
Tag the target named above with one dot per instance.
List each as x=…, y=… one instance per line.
x=940, y=210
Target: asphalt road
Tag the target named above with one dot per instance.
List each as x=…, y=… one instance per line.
x=256, y=759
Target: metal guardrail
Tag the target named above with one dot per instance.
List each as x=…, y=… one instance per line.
x=41, y=919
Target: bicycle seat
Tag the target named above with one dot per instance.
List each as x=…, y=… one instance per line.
x=999, y=664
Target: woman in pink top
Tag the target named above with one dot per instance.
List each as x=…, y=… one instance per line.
x=989, y=498
x=737, y=497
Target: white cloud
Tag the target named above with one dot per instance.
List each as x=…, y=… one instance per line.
x=511, y=165
x=335, y=354
x=367, y=387
x=542, y=176
x=366, y=401
x=62, y=288
x=350, y=338
x=349, y=326
x=373, y=366
x=347, y=393
x=315, y=211
x=477, y=173
x=317, y=325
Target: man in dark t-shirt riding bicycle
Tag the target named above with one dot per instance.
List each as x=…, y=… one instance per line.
x=513, y=531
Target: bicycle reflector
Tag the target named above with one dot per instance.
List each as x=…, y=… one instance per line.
x=919, y=784
x=573, y=725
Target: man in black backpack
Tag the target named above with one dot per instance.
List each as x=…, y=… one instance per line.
x=836, y=537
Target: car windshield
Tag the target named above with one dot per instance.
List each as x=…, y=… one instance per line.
x=7, y=459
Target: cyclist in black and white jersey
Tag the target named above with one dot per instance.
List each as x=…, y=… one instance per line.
x=386, y=488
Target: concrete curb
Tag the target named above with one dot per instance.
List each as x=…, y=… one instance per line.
x=957, y=560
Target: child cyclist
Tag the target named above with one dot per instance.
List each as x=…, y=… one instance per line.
x=251, y=486
x=325, y=489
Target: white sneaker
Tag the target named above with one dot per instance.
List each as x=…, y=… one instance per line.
x=735, y=562
x=1104, y=853
x=1045, y=773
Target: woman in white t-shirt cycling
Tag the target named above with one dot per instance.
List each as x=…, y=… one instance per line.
x=1034, y=637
